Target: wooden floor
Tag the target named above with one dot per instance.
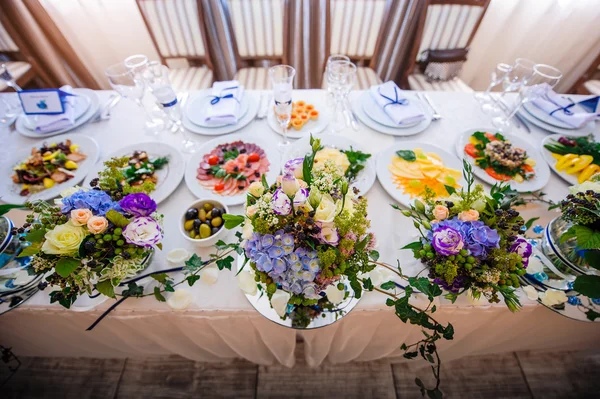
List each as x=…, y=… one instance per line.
x=511, y=375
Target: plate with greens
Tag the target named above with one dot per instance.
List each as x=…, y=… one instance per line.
x=150, y=167
x=349, y=156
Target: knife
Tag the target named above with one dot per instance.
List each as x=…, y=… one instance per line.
x=350, y=118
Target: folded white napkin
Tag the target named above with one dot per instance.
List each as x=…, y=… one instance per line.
x=227, y=109
x=387, y=94
x=52, y=123
x=551, y=103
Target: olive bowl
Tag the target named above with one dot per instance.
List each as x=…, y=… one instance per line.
x=208, y=241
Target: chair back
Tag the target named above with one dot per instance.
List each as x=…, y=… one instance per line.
x=177, y=29
x=9, y=51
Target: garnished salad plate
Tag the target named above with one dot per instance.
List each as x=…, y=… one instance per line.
x=412, y=170
x=496, y=158
x=357, y=165
x=308, y=117
x=574, y=159
x=43, y=170
x=158, y=163
x=223, y=168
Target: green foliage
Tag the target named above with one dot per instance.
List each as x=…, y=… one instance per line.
x=588, y=286
x=357, y=160
x=117, y=218
x=35, y=236
x=232, y=221
x=157, y=294
x=530, y=223
x=66, y=266
x=193, y=264
x=105, y=287
x=161, y=277
x=413, y=245
x=191, y=280
x=586, y=237
x=592, y=257
x=133, y=290
x=225, y=263
x=407, y=155
x=424, y=285
x=367, y=284
x=4, y=208
x=374, y=255
x=388, y=285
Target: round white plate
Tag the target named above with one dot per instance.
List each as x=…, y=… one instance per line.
x=547, y=155
x=542, y=172
x=217, y=131
x=393, y=131
x=82, y=104
x=544, y=117
x=91, y=111
x=313, y=127
x=168, y=177
x=194, y=162
x=375, y=112
x=365, y=179
x=197, y=106
x=385, y=158
x=10, y=191
x=584, y=131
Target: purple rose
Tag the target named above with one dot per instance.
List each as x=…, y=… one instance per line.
x=143, y=231
x=138, y=204
x=294, y=167
x=523, y=248
x=447, y=241
x=281, y=203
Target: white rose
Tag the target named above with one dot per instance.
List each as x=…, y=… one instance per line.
x=178, y=255
x=290, y=185
x=553, y=297
x=247, y=230
x=247, y=283
x=256, y=189
x=531, y=292
x=334, y=295
x=479, y=205
x=251, y=210
x=327, y=209
x=209, y=274
x=349, y=203
x=279, y=302
x=180, y=300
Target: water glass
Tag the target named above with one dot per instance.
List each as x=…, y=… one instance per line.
x=10, y=108
x=282, y=81
x=496, y=78
x=330, y=85
x=341, y=77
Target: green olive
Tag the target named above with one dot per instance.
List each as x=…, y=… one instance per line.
x=188, y=225
x=204, y=231
x=202, y=215
x=192, y=234
x=208, y=207
x=216, y=222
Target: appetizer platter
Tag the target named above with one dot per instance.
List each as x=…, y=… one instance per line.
x=306, y=118
x=574, y=159
x=42, y=171
x=357, y=165
x=152, y=164
x=503, y=158
x=412, y=170
x=223, y=168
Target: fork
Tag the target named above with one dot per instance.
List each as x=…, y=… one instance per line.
x=436, y=115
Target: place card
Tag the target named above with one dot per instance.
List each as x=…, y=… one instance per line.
x=43, y=101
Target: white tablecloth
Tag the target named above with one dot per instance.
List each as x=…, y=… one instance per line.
x=221, y=324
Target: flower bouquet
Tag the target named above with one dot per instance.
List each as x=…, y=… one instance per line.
x=89, y=240
x=471, y=241
x=305, y=236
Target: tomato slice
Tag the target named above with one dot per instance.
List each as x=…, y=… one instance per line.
x=491, y=137
x=213, y=160
x=527, y=168
x=219, y=187
x=498, y=176
x=471, y=150
x=254, y=157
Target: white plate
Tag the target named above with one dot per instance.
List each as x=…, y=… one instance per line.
x=542, y=172
x=385, y=158
x=82, y=104
x=544, y=117
x=375, y=112
x=365, y=179
x=547, y=154
x=91, y=111
x=197, y=106
x=10, y=191
x=193, y=164
x=393, y=131
x=310, y=127
x=584, y=131
x=217, y=131
x=168, y=177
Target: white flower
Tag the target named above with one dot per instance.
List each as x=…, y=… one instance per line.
x=479, y=205
x=180, y=299
x=583, y=187
x=334, y=295
x=531, y=292
x=251, y=210
x=178, y=255
x=256, y=189
x=290, y=185
x=481, y=301
x=247, y=230
x=247, y=283
x=327, y=209
x=209, y=274
x=349, y=203
x=279, y=302
x=553, y=297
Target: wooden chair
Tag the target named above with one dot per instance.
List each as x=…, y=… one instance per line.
x=589, y=82
x=16, y=63
x=178, y=32
x=256, y=32
x=445, y=24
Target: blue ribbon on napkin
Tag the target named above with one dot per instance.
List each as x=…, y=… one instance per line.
x=216, y=99
x=392, y=101
x=566, y=109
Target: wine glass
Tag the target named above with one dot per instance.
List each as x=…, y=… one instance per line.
x=7, y=77
x=282, y=79
x=341, y=75
x=330, y=84
x=497, y=77
x=544, y=77
x=128, y=85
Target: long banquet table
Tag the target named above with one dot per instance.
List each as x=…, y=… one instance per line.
x=221, y=324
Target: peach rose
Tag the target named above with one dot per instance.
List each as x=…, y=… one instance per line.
x=97, y=224
x=468, y=216
x=440, y=212
x=79, y=217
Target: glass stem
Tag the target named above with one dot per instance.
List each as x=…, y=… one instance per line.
x=149, y=117
x=516, y=108
x=489, y=89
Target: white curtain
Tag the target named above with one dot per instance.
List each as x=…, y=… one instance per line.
x=562, y=33
x=102, y=32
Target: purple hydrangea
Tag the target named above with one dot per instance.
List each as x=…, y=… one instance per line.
x=522, y=247
x=97, y=201
x=477, y=237
x=138, y=204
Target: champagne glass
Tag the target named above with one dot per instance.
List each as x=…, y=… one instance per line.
x=331, y=84
x=497, y=77
x=282, y=79
x=128, y=85
x=544, y=77
x=342, y=76
x=7, y=77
